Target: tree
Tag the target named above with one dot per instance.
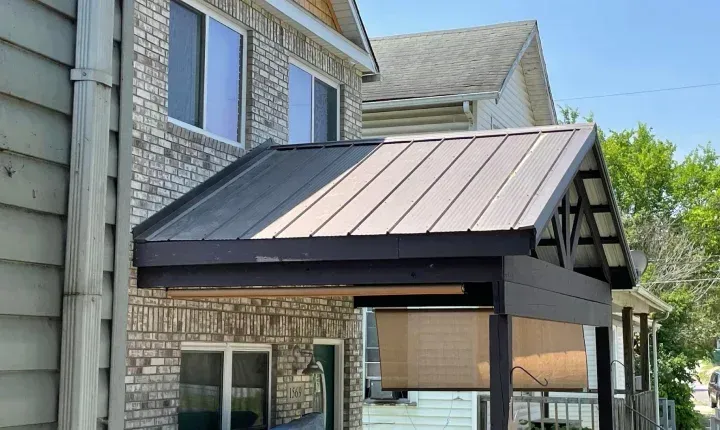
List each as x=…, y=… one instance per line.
x=671, y=211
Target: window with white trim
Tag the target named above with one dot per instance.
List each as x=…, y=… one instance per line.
x=224, y=387
x=205, y=73
x=314, y=107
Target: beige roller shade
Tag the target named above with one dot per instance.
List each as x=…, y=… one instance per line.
x=449, y=350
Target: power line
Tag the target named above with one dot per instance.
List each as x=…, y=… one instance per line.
x=680, y=281
x=631, y=93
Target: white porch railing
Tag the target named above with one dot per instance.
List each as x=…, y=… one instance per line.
x=564, y=411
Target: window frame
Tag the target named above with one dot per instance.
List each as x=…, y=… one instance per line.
x=227, y=348
x=325, y=79
x=208, y=12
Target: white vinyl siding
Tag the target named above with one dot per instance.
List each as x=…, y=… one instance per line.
x=450, y=410
x=511, y=111
x=413, y=121
x=36, y=122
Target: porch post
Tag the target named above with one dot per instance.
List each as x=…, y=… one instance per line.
x=629, y=368
x=500, y=341
x=500, y=368
x=604, y=377
x=644, y=352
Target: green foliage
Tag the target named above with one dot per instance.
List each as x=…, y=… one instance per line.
x=682, y=344
x=671, y=211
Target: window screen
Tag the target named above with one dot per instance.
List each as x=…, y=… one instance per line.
x=249, y=393
x=184, y=64
x=200, y=391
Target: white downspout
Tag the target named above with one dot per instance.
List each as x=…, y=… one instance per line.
x=82, y=294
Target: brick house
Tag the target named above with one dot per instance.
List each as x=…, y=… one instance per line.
x=213, y=79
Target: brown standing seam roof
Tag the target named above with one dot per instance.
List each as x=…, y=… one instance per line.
x=470, y=181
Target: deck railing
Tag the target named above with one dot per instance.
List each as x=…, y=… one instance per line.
x=566, y=411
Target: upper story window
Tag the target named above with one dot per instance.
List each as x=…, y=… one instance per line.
x=205, y=73
x=314, y=104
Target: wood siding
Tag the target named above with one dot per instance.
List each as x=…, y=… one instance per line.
x=37, y=48
x=511, y=111
x=322, y=10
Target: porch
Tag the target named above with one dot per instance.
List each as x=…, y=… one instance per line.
x=458, y=220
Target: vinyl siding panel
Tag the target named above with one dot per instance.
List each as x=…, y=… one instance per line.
x=434, y=410
x=414, y=121
x=512, y=110
x=37, y=50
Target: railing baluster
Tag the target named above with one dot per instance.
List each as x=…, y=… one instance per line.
x=567, y=413
x=555, y=407
x=592, y=415
x=579, y=412
x=542, y=413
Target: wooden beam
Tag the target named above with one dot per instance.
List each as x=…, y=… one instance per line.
x=540, y=274
x=595, y=232
x=604, y=377
x=583, y=241
x=559, y=238
x=596, y=209
x=589, y=174
x=375, y=290
x=324, y=273
x=628, y=361
x=529, y=302
x=500, y=370
x=575, y=233
x=644, y=352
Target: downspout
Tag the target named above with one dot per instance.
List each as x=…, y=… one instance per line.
x=82, y=294
x=655, y=366
x=467, y=110
x=116, y=407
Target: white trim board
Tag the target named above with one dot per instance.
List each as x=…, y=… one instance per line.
x=321, y=33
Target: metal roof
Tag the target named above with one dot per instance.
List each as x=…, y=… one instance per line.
x=484, y=182
x=462, y=61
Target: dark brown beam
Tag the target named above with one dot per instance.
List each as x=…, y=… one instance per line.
x=575, y=232
x=322, y=273
x=559, y=241
x=501, y=390
x=589, y=174
x=597, y=209
x=275, y=292
x=604, y=377
x=595, y=232
x=644, y=352
x=583, y=241
x=422, y=301
x=388, y=247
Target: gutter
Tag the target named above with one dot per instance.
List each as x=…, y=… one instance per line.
x=82, y=287
x=121, y=275
x=429, y=101
x=652, y=299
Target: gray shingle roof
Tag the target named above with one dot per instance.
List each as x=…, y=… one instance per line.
x=469, y=60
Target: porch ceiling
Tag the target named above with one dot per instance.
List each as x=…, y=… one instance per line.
x=414, y=199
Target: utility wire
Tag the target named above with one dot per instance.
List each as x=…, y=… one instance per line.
x=680, y=281
x=631, y=93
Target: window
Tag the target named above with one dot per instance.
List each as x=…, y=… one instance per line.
x=224, y=387
x=205, y=73
x=313, y=112
x=373, y=386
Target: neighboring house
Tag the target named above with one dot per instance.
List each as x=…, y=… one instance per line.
x=65, y=137
x=481, y=78
x=214, y=79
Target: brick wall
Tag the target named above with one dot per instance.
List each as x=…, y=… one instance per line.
x=168, y=161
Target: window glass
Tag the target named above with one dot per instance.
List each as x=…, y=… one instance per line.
x=222, y=99
x=325, y=106
x=200, y=391
x=300, y=114
x=184, y=64
x=249, y=394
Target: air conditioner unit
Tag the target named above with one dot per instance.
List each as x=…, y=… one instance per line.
x=377, y=393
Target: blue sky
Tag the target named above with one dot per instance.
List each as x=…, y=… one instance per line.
x=600, y=47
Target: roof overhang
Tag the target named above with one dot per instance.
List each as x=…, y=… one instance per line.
x=316, y=30
x=641, y=300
